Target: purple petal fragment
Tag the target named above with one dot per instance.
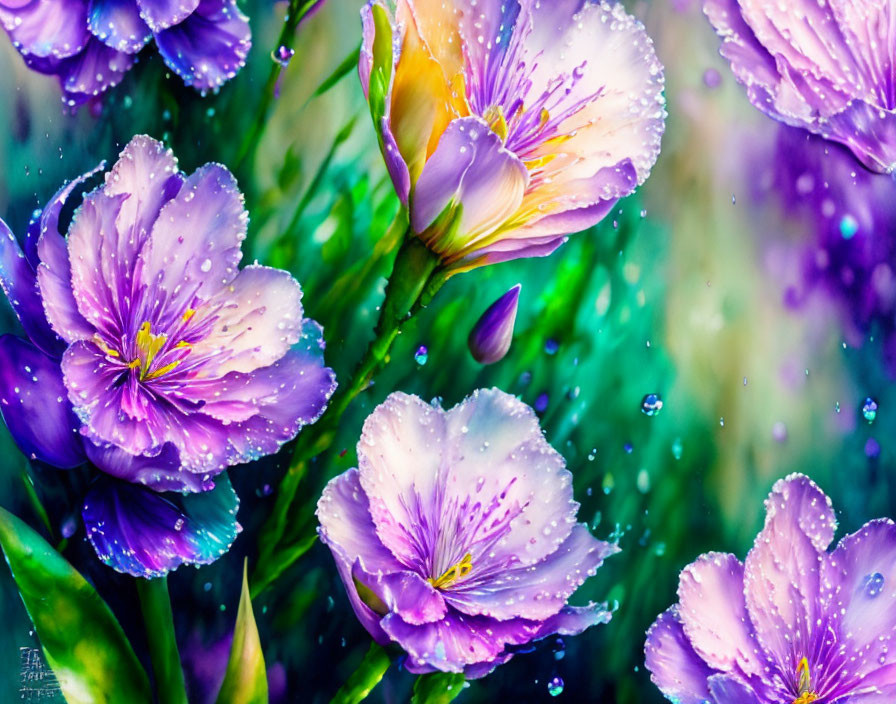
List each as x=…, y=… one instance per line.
x=35, y=407
x=145, y=534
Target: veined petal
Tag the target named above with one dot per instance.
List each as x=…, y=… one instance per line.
x=144, y=534
x=53, y=29
x=161, y=472
x=161, y=14
x=675, y=668
x=404, y=593
x=35, y=407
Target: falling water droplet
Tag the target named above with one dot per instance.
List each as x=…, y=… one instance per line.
x=651, y=404
x=551, y=346
x=555, y=686
x=677, y=448
x=869, y=409
x=421, y=356
x=283, y=55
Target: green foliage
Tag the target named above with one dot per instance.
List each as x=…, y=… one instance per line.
x=437, y=688
x=82, y=641
x=245, y=681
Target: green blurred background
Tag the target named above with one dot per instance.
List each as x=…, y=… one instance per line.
x=673, y=294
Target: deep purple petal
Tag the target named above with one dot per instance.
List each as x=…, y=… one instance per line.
x=573, y=620
x=209, y=47
x=674, y=667
x=19, y=283
x=161, y=14
x=35, y=406
x=96, y=69
x=726, y=689
x=162, y=472
x=144, y=534
x=404, y=593
x=117, y=24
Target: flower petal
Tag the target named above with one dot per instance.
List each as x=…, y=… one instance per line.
x=675, y=668
x=404, y=593
x=161, y=14
x=144, y=534
x=117, y=24
x=713, y=612
x=96, y=69
x=47, y=29
x=209, y=47
x=35, y=407
x=162, y=472
x=471, y=171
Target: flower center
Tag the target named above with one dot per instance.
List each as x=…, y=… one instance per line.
x=806, y=695
x=454, y=573
x=148, y=346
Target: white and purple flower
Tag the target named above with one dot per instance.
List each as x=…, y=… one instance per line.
x=793, y=623
x=823, y=65
x=153, y=356
x=456, y=537
x=507, y=125
x=90, y=44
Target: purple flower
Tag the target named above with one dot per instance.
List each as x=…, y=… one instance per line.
x=153, y=356
x=489, y=340
x=824, y=65
x=457, y=537
x=508, y=124
x=793, y=623
x=90, y=44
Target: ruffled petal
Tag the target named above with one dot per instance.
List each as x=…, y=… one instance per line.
x=117, y=24
x=675, y=668
x=162, y=472
x=35, y=406
x=144, y=534
x=209, y=47
x=51, y=29
x=96, y=69
x=161, y=14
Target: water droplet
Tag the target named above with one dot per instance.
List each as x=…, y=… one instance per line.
x=541, y=403
x=872, y=449
x=869, y=409
x=551, y=346
x=283, y=55
x=873, y=584
x=421, y=356
x=555, y=686
x=677, y=448
x=849, y=226
x=651, y=404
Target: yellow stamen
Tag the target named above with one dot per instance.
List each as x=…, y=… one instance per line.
x=541, y=161
x=453, y=573
x=98, y=341
x=496, y=120
x=189, y=313
x=182, y=344
x=162, y=370
x=134, y=364
x=544, y=117
x=149, y=344
x=806, y=696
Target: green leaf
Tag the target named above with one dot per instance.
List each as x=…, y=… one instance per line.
x=159, y=620
x=83, y=643
x=365, y=677
x=246, y=680
x=438, y=688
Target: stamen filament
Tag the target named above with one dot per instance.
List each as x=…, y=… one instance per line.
x=453, y=573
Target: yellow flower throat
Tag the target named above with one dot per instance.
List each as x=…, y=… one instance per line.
x=453, y=573
x=806, y=695
x=148, y=347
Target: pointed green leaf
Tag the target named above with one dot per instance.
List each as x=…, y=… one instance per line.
x=246, y=680
x=367, y=676
x=438, y=688
x=83, y=643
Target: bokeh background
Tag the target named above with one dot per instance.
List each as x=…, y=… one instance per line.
x=747, y=283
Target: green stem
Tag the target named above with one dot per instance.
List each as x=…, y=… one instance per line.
x=159, y=622
x=415, y=279
x=365, y=677
x=438, y=688
x=36, y=504
x=295, y=12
